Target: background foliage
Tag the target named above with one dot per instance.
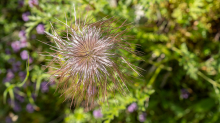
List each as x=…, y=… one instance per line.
x=180, y=41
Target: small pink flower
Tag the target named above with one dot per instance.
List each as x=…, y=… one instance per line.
x=40, y=29
x=132, y=107
x=22, y=34
x=97, y=114
x=25, y=16
x=33, y=3
x=16, y=46
x=23, y=43
x=24, y=55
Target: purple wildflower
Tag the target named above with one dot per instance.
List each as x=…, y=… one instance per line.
x=25, y=16
x=10, y=74
x=31, y=60
x=34, y=96
x=17, y=89
x=23, y=43
x=22, y=34
x=19, y=97
x=20, y=3
x=11, y=60
x=7, y=51
x=184, y=94
x=16, y=66
x=97, y=113
x=6, y=80
x=40, y=29
x=15, y=105
x=142, y=117
x=33, y=3
x=30, y=108
x=8, y=119
x=24, y=55
x=16, y=46
x=22, y=75
x=44, y=87
x=132, y=107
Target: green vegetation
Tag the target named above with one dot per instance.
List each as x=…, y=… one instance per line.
x=180, y=44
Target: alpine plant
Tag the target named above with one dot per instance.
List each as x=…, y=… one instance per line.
x=87, y=60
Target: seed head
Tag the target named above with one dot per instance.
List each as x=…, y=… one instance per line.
x=87, y=60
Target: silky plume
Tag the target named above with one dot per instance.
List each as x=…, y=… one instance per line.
x=87, y=61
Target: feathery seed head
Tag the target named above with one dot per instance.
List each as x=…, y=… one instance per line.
x=86, y=61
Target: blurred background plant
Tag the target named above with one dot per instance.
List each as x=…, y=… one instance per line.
x=180, y=41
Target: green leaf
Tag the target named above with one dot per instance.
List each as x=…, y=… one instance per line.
x=10, y=90
x=204, y=105
x=27, y=75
